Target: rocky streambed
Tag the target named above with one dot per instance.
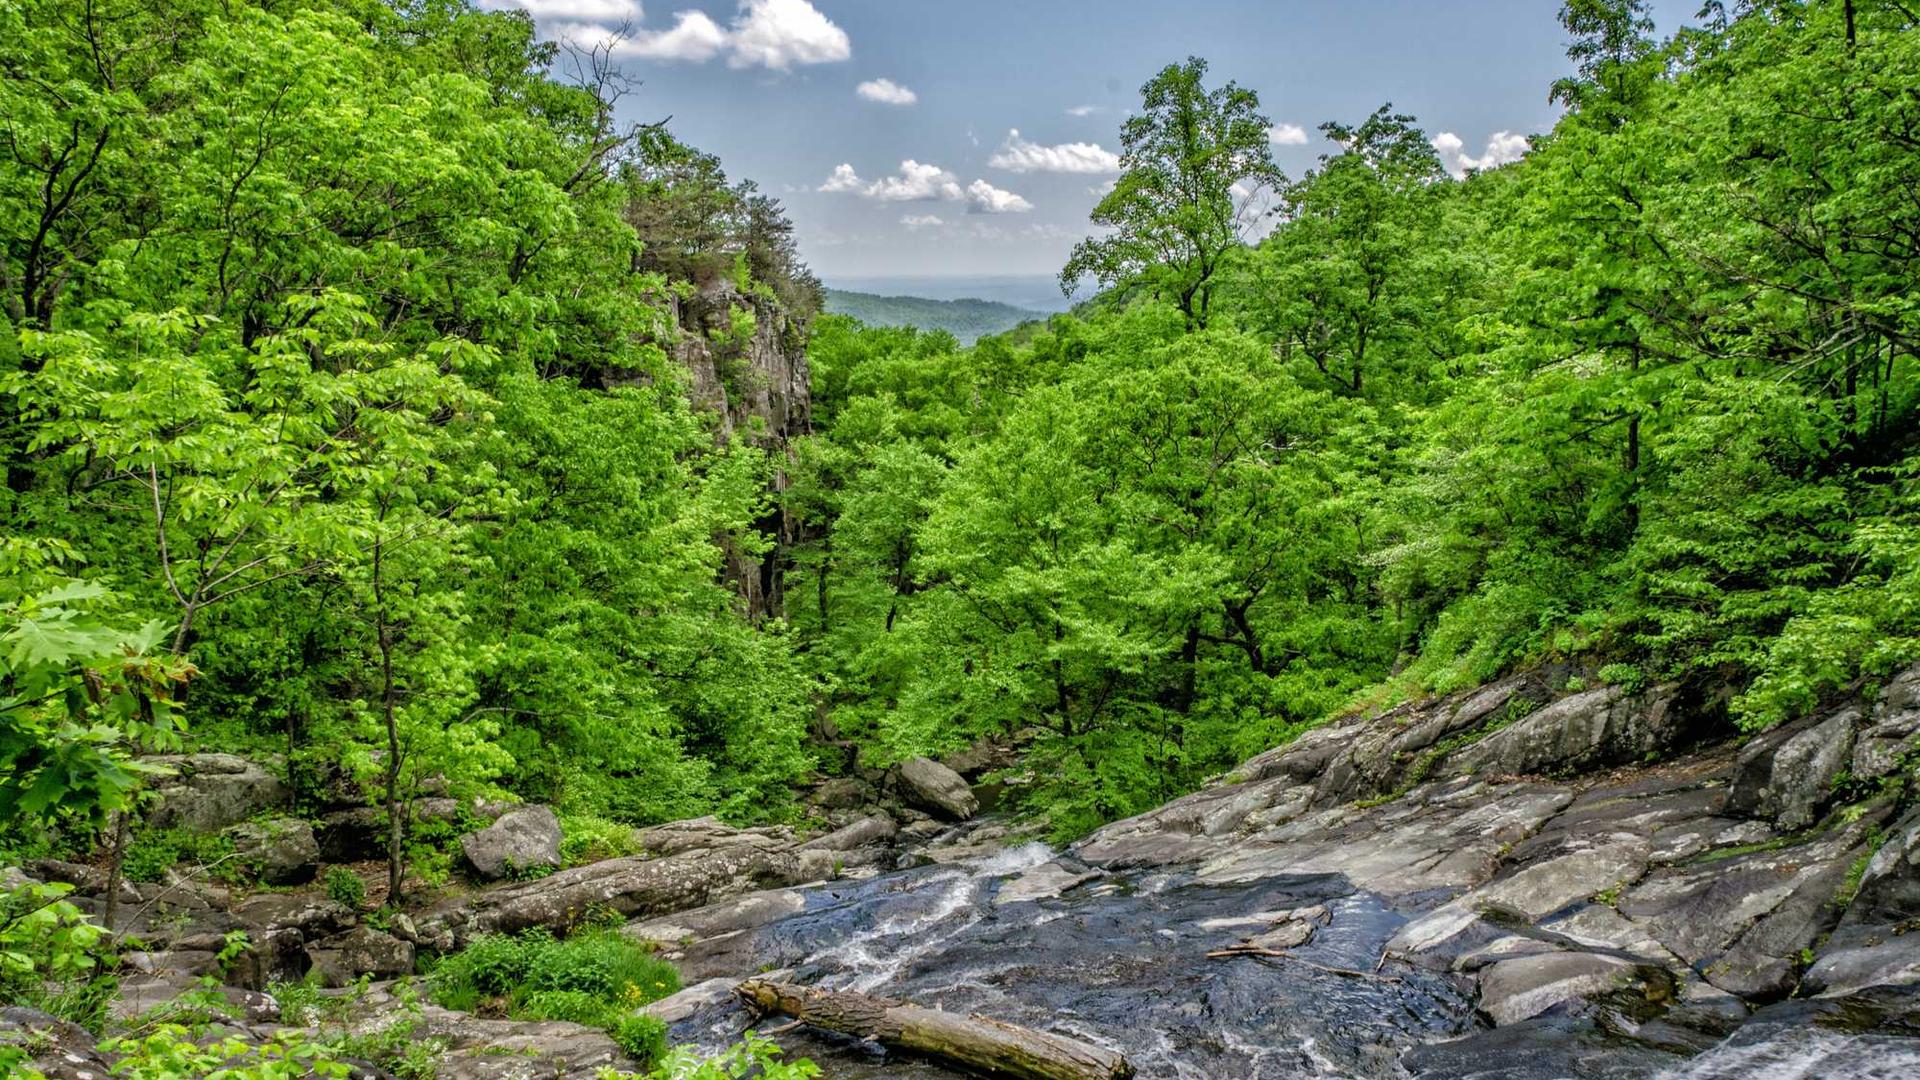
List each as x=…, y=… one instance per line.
x=1476, y=887
x=1515, y=883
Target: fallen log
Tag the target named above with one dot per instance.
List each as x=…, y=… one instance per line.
x=972, y=1042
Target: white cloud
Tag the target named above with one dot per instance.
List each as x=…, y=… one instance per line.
x=1083, y=110
x=1023, y=155
x=984, y=198
x=1503, y=147
x=915, y=183
x=775, y=34
x=1102, y=189
x=778, y=34
x=844, y=179
x=695, y=38
x=921, y=221
x=1287, y=135
x=579, y=10
x=886, y=92
x=918, y=182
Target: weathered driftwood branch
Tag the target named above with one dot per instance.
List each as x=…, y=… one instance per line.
x=972, y=1042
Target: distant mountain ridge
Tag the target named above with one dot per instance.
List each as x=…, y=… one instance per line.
x=966, y=319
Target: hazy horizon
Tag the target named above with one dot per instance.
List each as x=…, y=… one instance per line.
x=1035, y=292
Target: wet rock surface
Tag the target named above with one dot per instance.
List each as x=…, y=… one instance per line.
x=1494, y=885
x=1502, y=889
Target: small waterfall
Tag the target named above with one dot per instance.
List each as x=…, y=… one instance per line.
x=1803, y=1052
x=933, y=911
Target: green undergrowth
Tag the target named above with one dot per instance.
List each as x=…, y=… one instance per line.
x=589, y=839
x=598, y=978
x=152, y=852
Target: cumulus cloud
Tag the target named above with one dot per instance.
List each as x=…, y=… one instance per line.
x=778, y=34
x=775, y=34
x=844, y=180
x=694, y=38
x=914, y=183
x=1503, y=147
x=984, y=198
x=1083, y=110
x=886, y=92
x=1023, y=155
x=1287, y=135
x=920, y=182
x=922, y=221
x=572, y=10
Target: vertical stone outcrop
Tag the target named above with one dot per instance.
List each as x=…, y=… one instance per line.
x=746, y=356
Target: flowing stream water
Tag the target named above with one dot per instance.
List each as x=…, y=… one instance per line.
x=1122, y=962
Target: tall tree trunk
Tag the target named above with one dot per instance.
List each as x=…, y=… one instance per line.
x=121, y=824
x=384, y=630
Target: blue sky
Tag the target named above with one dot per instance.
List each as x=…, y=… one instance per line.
x=826, y=102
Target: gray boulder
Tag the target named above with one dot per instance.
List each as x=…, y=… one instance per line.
x=343, y=958
x=1603, y=726
x=279, y=926
x=843, y=793
x=1787, y=774
x=57, y=1049
x=934, y=787
x=866, y=832
x=282, y=851
x=1891, y=735
x=1526, y=986
x=677, y=1007
x=522, y=839
x=209, y=792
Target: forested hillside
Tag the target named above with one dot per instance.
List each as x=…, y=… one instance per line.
x=966, y=320
x=379, y=401
x=347, y=411
x=1644, y=400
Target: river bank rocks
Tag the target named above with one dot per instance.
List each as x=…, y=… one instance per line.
x=522, y=840
x=208, y=792
x=1554, y=875
x=1539, y=863
x=933, y=787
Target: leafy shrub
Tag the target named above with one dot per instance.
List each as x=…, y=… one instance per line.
x=589, y=839
x=642, y=1038
x=171, y=1051
x=490, y=967
x=397, y=1048
x=1628, y=677
x=606, y=965
x=345, y=887
x=570, y=1005
x=753, y=1055
x=151, y=853
x=595, y=978
x=52, y=956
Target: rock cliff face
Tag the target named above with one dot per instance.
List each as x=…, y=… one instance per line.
x=747, y=358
